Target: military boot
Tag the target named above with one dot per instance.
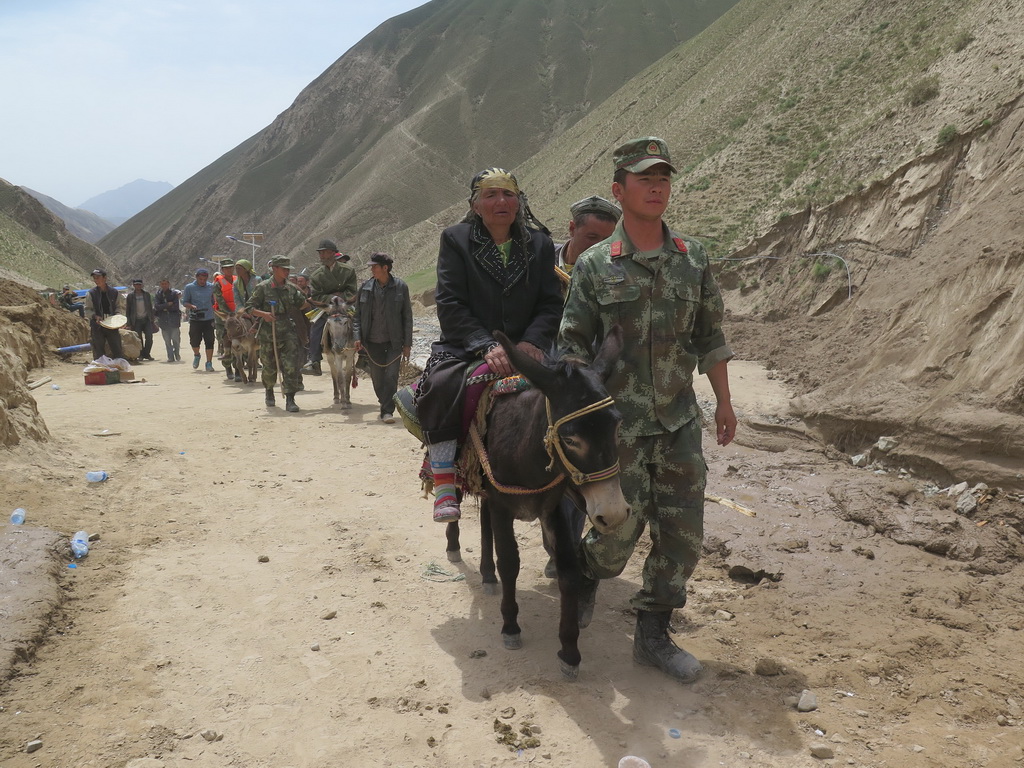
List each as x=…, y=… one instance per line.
x=269, y=400
x=289, y=403
x=653, y=647
x=228, y=372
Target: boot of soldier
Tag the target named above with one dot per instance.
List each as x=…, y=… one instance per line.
x=653, y=647
x=228, y=373
x=289, y=403
x=269, y=400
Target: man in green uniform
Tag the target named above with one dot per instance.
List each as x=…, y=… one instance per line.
x=659, y=288
x=275, y=301
x=331, y=278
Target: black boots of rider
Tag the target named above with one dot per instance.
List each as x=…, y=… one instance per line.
x=653, y=647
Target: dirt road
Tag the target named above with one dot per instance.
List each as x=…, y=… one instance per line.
x=356, y=642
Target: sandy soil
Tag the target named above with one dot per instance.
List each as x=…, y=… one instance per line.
x=357, y=643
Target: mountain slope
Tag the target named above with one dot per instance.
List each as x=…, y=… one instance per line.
x=390, y=134
x=36, y=248
x=81, y=223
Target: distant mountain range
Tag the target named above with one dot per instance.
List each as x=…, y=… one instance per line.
x=119, y=205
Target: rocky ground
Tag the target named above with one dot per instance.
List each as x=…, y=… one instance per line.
x=267, y=589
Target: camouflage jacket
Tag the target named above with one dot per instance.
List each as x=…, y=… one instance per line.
x=341, y=279
x=289, y=304
x=670, y=310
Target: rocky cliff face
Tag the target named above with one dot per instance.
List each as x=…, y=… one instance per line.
x=931, y=345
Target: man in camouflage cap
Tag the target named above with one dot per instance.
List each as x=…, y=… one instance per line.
x=275, y=301
x=593, y=219
x=658, y=287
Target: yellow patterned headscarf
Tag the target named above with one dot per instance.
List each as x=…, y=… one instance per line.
x=494, y=178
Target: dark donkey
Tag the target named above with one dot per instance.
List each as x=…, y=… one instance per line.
x=559, y=437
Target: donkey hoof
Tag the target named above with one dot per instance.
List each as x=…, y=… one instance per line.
x=454, y=556
x=512, y=642
x=337, y=401
x=569, y=672
x=490, y=588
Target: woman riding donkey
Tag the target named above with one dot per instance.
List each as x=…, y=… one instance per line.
x=495, y=271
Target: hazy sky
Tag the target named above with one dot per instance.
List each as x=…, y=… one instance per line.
x=95, y=94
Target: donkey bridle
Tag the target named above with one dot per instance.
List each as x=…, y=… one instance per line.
x=553, y=446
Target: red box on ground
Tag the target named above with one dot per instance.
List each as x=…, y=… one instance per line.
x=102, y=377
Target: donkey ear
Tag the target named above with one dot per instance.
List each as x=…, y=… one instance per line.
x=611, y=349
x=539, y=374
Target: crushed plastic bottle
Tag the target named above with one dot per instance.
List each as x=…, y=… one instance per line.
x=80, y=544
x=632, y=761
x=96, y=477
x=18, y=516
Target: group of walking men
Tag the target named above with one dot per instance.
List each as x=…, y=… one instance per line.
x=277, y=305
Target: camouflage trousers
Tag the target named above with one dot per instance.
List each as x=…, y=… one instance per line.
x=287, y=350
x=220, y=332
x=663, y=479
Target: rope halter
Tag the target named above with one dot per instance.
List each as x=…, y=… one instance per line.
x=553, y=444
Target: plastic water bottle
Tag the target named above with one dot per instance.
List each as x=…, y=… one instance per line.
x=96, y=477
x=80, y=544
x=18, y=516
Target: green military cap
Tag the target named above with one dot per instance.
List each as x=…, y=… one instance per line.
x=640, y=154
x=227, y=263
x=595, y=204
x=280, y=261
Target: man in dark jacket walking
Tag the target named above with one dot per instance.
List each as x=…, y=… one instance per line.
x=167, y=308
x=103, y=306
x=139, y=310
x=383, y=329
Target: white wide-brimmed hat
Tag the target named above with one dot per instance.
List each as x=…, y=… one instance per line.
x=113, y=321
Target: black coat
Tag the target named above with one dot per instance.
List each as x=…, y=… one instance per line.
x=102, y=303
x=472, y=303
x=397, y=312
x=129, y=304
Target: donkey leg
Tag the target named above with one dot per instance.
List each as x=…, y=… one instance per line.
x=559, y=530
x=453, y=550
x=508, y=568
x=490, y=581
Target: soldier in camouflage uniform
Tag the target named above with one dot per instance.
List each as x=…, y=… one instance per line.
x=275, y=301
x=658, y=286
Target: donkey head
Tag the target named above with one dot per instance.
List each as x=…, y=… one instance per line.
x=339, y=324
x=586, y=425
